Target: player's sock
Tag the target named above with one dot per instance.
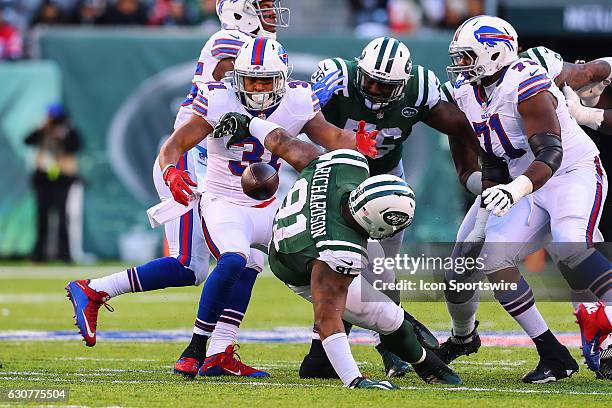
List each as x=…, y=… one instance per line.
x=594, y=274
x=229, y=322
x=520, y=304
x=196, y=348
x=216, y=291
x=404, y=343
x=157, y=274
x=463, y=315
x=316, y=347
x=339, y=353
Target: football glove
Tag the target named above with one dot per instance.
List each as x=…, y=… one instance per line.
x=591, y=117
x=179, y=181
x=232, y=124
x=327, y=86
x=366, y=141
x=500, y=198
x=590, y=94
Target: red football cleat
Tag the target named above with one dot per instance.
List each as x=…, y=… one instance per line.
x=594, y=328
x=86, y=303
x=187, y=367
x=228, y=363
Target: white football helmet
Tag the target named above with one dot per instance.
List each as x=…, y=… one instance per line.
x=481, y=46
x=386, y=61
x=261, y=58
x=247, y=16
x=383, y=205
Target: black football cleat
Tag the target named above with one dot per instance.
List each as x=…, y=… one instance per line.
x=605, y=365
x=423, y=334
x=317, y=367
x=456, y=346
x=551, y=370
x=394, y=366
x=433, y=370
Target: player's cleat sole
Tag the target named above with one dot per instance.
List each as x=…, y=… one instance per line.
x=424, y=335
x=228, y=364
x=394, y=366
x=457, y=346
x=367, y=384
x=434, y=371
x=187, y=367
x=86, y=304
x=317, y=367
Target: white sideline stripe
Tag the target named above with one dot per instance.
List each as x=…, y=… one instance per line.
x=299, y=385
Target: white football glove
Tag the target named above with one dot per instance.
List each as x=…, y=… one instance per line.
x=589, y=94
x=500, y=198
x=591, y=117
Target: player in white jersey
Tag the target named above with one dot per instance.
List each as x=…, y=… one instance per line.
x=522, y=121
x=189, y=255
x=232, y=221
x=588, y=79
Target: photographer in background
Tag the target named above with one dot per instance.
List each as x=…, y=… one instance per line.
x=57, y=142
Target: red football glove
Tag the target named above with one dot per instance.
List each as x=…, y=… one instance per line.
x=366, y=141
x=178, y=181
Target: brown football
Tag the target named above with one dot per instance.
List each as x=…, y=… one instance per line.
x=259, y=181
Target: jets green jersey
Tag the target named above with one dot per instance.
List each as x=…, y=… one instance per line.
x=309, y=224
x=346, y=108
x=551, y=61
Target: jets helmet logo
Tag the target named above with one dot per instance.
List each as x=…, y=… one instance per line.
x=396, y=218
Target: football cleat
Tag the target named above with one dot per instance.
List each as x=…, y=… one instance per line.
x=561, y=366
x=365, y=383
x=424, y=335
x=456, y=346
x=394, y=366
x=317, y=367
x=187, y=367
x=433, y=370
x=594, y=328
x=228, y=363
x=605, y=365
x=86, y=303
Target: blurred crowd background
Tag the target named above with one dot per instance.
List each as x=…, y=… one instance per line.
x=366, y=17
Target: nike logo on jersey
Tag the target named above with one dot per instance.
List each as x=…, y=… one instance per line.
x=569, y=171
x=237, y=37
x=348, y=263
x=533, y=73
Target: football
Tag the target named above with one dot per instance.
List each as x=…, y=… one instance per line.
x=259, y=181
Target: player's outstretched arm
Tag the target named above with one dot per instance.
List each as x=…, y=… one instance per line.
x=183, y=139
x=596, y=118
x=294, y=151
x=323, y=133
x=581, y=75
x=449, y=119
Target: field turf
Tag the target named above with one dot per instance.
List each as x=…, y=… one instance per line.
x=137, y=373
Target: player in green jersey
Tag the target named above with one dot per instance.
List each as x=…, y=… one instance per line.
x=319, y=247
x=384, y=88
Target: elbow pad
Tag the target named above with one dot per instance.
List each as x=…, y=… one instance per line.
x=547, y=148
x=494, y=168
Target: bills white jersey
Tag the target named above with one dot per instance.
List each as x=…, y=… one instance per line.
x=225, y=166
x=498, y=123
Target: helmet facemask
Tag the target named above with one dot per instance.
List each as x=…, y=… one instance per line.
x=280, y=16
x=459, y=70
x=391, y=90
x=260, y=101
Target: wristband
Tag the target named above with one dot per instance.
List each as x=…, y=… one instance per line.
x=164, y=170
x=260, y=128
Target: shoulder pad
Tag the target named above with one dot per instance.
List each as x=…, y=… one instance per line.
x=327, y=66
x=300, y=100
x=550, y=60
x=527, y=78
x=213, y=100
x=226, y=43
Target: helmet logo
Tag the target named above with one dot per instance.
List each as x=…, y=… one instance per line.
x=409, y=112
x=396, y=218
x=490, y=36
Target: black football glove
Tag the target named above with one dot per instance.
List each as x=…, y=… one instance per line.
x=234, y=124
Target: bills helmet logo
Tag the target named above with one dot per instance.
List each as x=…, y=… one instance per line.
x=282, y=54
x=490, y=36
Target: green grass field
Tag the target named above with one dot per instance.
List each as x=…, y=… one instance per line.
x=140, y=373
